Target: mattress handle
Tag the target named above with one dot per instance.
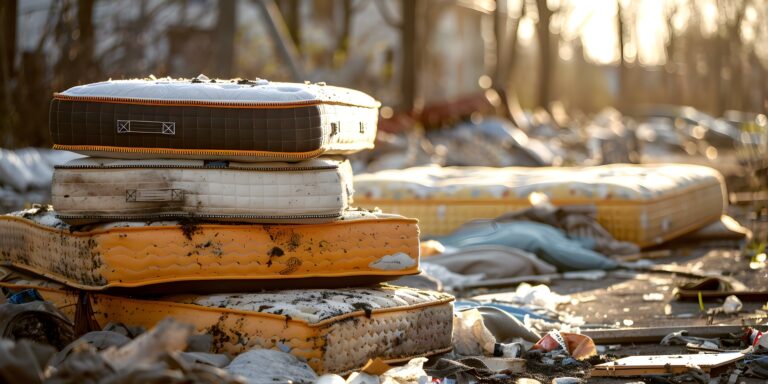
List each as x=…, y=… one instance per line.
x=153, y=195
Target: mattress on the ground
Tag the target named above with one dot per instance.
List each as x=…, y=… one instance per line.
x=335, y=330
x=361, y=248
x=212, y=119
x=644, y=204
x=99, y=189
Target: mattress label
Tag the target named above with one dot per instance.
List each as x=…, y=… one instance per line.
x=143, y=126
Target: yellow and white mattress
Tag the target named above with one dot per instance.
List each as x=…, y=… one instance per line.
x=98, y=189
x=335, y=330
x=644, y=204
x=360, y=248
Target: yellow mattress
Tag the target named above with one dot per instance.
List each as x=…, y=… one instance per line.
x=361, y=248
x=644, y=204
x=335, y=330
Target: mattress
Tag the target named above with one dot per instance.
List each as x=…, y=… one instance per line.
x=333, y=330
x=238, y=120
x=361, y=248
x=644, y=204
x=98, y=189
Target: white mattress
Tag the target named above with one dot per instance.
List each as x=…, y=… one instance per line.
x=252, y=92
x=96, y=189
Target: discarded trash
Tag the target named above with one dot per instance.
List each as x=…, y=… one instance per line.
x=265, y=366
x=682, y=338
x=577, y=346
x=470, y=336
x=431, y=248
x=731, y=305
x=757, y=367
x=753, y=337
x=330, y=378
x=655, y=296
x=492, y=261
x=536, y=295
x=547, y=242
x=410, y=373
x=567, y=380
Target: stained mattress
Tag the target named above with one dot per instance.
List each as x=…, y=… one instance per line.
x=644, y=204
x=361, y=248
x=212, y=119
x=334, y=330
x=97, y=189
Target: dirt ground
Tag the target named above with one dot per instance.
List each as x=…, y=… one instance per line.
x=616, y=300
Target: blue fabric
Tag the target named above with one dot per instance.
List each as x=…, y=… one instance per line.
x=548, y=243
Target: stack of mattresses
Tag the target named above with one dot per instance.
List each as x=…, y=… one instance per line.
x=644, y=204
x=197, y=189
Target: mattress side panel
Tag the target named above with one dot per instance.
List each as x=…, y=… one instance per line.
x=136, y=191
x=71, y=259
x=86, y=123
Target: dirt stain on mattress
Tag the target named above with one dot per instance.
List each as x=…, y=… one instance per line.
x=189, y=228
x=286, y=238
x=366, y=307
x=274, y=252
x=291, y=266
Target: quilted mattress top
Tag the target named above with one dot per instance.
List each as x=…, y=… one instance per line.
x=607, y=182
x=314, y=306
x=202, y=89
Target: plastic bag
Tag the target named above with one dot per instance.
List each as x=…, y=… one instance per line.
x=470, y=335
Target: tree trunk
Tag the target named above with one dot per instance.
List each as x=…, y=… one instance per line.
x=225, y=38
x=291, y=13
x=83, y=66
x=342, y=39
x=506, y=44
x=8, y=15
x=546, y=63
x=622, y=94
x=409, y=70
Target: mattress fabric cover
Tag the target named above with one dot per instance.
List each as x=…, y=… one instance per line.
x=362, y=246
x=335, y=330
x=93, y=189
x=586, y=184
x=645, y=204
x=212, y=119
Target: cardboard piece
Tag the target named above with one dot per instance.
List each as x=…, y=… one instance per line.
x=664, y=364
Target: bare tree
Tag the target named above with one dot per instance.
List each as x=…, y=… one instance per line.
x=546, y=61
x=225, y=38
x=506, y=42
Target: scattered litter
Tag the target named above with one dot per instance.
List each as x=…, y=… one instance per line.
x=731, y=305
x=654, y=296
x=602, y=349
x=267, y=366
x=575, y=345
x=410, y=373
x=470, y=336
x=538, y=295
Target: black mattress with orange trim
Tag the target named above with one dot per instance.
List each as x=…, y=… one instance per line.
x=239, y=120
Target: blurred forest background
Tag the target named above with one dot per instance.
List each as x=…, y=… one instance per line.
x=566, y=57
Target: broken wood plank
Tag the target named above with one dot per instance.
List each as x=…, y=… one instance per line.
x=655, y=334
x=665, y=364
